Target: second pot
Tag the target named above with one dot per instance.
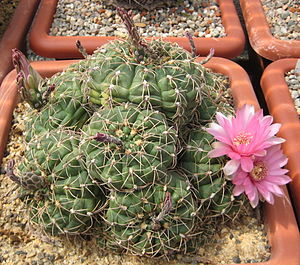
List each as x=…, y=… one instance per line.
x=282, y=108
x=63, y=47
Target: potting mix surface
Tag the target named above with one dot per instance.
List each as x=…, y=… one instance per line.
x=293, y=82
x=96, y=18
x=284, y=18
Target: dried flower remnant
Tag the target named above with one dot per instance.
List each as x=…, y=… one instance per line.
x=138, y=43
x=105, y=138
x=28, y=79
x=167, y=207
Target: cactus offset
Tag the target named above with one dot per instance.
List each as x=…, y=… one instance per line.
x=65, y=199
x=212, y=189
x=65, y=105
x=69, y=207
x=153, y=221
x=128, y=148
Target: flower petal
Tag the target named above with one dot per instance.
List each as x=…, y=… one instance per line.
x=247, y=164
x=238, y=190
x=231, y=167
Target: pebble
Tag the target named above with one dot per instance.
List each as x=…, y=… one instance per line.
x=292, y=79
x=236, y=259
x=283, y=18
x=174, y=21
x=20, y=252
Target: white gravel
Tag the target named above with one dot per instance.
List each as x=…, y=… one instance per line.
x=292, y=79
x=94, y=18
x=283, y=17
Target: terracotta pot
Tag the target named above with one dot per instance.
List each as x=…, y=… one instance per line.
x=279, y=218
x=15, y=34
x=282, y=108
x=260, y=36
x=63, y=47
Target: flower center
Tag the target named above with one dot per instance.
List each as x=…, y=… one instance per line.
x=259, y=171
x=242, y=138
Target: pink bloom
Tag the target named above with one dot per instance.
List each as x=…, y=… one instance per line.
x=263, y=181
x=242, y=137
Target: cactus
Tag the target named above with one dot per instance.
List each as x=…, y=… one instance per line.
x=215, y=99
x=64, y=104
x=172, y=84
x=154, y=75
x=50, y=152
x=128, y=148
x=65, y=198
x=112, y=149
x=156, y=220
x=70, y=206
x=212, y=189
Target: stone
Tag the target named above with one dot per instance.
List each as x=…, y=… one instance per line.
x=141, y=25
x=108, y=13
x=136, y=17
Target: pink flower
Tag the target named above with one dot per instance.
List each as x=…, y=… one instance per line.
x=242, y=137
x=263, y=181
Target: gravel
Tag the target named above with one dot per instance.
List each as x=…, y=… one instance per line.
x=283, y=17
x=292, y=79
x=94, y=18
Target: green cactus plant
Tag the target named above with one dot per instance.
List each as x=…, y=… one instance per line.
x=51, y=152
x=66, y=105
x=155, y=75
x=64, y=197
x=70, y=206
x=212, y=189
x=170, y=83
x=103, y=143
x=156, y=220
x=128, y=148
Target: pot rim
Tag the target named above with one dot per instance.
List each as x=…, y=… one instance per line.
x=15, y=33
x=63, y=47
x=280, y=221
x=282, y=108
x=260, y=36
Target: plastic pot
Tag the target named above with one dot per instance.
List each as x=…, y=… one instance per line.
x=280, y=220
x=281, y=106
x=63, y=47
x=260, y=36
x=15, y=34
